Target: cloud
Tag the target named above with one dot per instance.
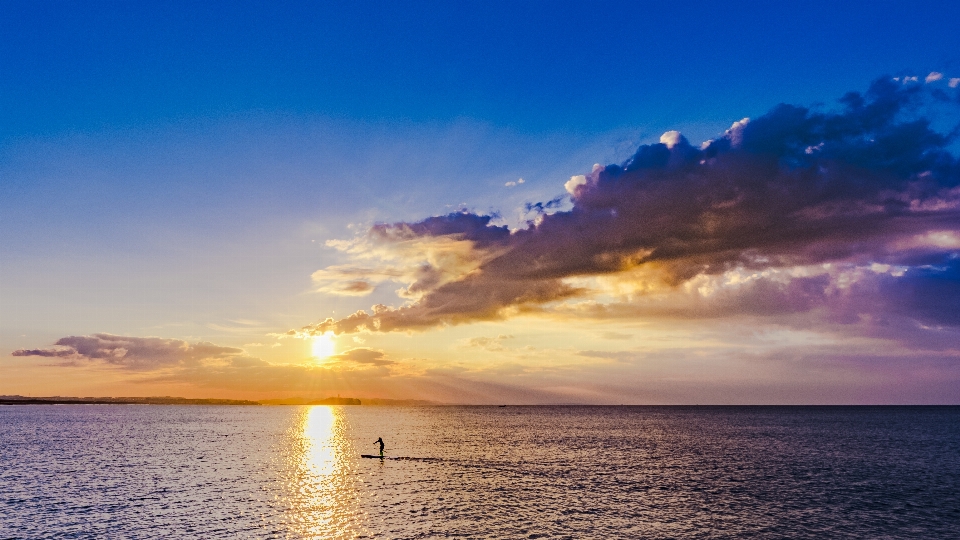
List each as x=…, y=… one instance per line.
x=364, y=380
x=783, y=213
x=933, y=76
x=45, y=353
x=363, y=355
x=139, y=353
x=802, y=374
x=350, y=280
x=910, y=305
x=754, y=371
x=488, y=343
x=356, y=287
x=576, y=181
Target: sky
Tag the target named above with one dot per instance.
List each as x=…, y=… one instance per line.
x=482, y=202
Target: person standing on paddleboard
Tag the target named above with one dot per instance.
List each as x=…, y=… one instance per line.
x=380, y=442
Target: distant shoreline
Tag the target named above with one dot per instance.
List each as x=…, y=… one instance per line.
x=58, y=400
x=170, y=400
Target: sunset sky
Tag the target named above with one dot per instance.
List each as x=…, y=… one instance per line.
x=482, y=202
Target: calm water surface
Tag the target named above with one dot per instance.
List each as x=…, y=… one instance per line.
x=115, y=471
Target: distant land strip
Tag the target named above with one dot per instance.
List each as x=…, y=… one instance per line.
x=169, y=400
x=159, y=400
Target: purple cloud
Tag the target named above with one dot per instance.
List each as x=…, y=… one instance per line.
x=870, y=183
x=135, y=352
x=46, y=353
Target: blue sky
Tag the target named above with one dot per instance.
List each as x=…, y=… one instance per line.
x=529, y=66
x=176, y=169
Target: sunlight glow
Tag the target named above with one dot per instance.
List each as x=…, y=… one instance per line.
x=323, y=346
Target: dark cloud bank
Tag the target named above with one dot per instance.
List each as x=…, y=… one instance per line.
x=871, y=182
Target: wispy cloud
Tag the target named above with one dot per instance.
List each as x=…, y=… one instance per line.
x=363, y=355
x=488, y=343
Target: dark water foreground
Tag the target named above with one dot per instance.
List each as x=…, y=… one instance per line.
x=117, y=471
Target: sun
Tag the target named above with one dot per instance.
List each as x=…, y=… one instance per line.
x=323, y=345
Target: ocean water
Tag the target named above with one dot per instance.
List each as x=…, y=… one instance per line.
x=118, y=471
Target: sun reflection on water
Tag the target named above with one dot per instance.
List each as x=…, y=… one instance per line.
x=318, y=430
x=323, y=494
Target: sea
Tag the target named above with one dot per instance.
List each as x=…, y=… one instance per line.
x=193, y=471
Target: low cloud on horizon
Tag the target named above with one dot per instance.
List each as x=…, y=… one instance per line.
x=136, y=353
x=808, y=373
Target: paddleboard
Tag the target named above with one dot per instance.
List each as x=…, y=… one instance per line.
x=372, y=457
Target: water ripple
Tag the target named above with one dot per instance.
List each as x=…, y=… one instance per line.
x=96, y=471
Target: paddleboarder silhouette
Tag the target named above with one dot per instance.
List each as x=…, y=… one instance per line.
x=380, y=442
